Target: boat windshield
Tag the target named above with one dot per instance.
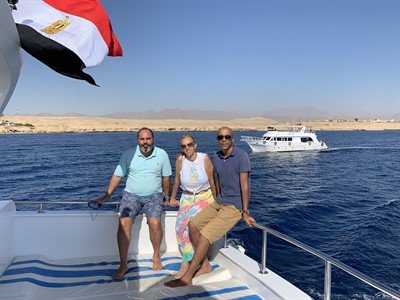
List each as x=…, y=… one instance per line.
x=307, y=139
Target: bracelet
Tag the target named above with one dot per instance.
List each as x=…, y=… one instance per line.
x=166, y=198
x=245, y=211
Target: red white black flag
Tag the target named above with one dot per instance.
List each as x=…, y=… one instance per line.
x=66, y=35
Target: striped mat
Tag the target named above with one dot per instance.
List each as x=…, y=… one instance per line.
x=36, y=277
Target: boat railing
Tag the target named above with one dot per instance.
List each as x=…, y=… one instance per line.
x=41, y=204
x=245, y=138
x=289, y=128
x=329, y=261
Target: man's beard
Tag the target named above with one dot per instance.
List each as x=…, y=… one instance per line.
x=146, y=149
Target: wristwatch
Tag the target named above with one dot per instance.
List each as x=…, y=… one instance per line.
x=166, y=198
x=245, y=211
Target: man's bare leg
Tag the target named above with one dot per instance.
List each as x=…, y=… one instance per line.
x=194, y=235
x=182, y=270
x=124, y=239
x=156, y=235
x=200, y=252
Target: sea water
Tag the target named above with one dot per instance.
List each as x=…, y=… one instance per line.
x=344, y=201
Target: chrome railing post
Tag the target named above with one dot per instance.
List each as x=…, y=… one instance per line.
x=117, y=207
x=41, y=210
x=225, y=241
x=327, y=285
x=264, y=253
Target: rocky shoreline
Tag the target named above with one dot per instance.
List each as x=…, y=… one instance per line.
x=34, y=124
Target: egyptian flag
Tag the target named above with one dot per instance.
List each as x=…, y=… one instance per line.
x=66, y=35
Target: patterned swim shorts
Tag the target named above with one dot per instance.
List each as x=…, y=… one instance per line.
x=131, y=205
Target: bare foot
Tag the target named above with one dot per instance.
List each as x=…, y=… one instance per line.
x=204, y=269
x=157, y=264
x=183, y=269
x=177, y=283
x=123, y=269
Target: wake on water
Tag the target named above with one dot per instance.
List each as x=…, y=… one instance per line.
x=361, y=148
x=283, y=155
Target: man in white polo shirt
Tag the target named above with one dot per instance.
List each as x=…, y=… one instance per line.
x=147, y=169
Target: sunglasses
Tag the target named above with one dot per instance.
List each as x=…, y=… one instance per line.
x=188, y=145
x=226, y=137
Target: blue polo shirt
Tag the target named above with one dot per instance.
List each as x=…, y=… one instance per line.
x=144, y=173
x=227, y=170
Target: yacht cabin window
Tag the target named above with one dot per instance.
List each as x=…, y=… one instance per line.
x=306, y=139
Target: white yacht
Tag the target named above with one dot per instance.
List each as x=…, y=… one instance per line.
x=294, y=138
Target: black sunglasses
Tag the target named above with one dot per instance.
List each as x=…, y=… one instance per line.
x=221, y=137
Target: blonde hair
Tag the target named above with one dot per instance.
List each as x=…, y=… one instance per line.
x=188, y=136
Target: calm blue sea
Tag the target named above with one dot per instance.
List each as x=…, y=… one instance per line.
x=344, y=202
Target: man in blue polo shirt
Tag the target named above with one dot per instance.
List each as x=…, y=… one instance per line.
x=147, y=169
x=232, y=168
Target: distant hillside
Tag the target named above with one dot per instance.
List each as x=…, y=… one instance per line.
x=395, y=117
x=68, y=114
x=277, y=114
x=297, y=114
x=281, y=115
x=192, y=114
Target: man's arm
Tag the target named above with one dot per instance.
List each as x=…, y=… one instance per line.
x=112, y=185
x=165, y=184
x=244, y=186
x=210, y=174
x=178, y=166
x=217, y=183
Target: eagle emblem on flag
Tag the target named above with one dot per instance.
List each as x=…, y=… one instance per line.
x=57, y=26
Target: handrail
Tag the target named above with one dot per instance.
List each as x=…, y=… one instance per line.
x=42, y=203
x=328, y=262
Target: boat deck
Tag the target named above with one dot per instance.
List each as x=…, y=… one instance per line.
x=36, y=277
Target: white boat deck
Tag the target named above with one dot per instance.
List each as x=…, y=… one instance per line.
x=36, y=277
x=72, y=255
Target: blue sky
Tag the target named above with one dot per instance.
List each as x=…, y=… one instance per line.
x=340, y=56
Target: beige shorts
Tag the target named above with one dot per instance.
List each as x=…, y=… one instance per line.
x=216, y=219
